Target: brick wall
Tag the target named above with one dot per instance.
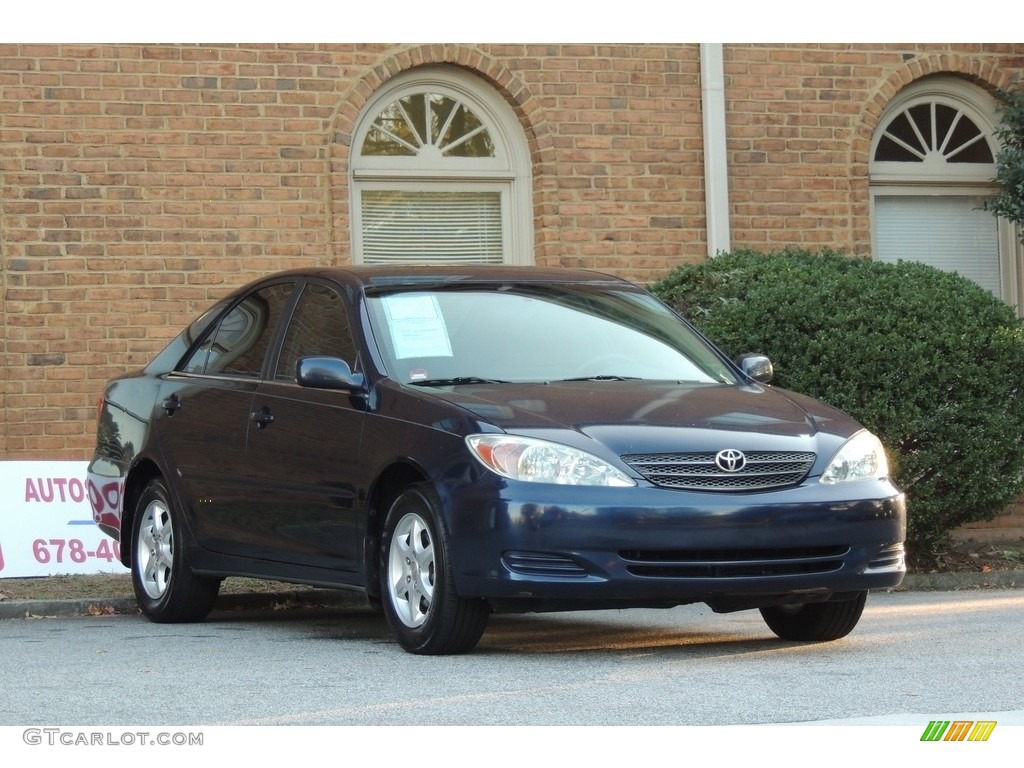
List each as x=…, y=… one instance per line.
x=138, y=183
x=1007, y=526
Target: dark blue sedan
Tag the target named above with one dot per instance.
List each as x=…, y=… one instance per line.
x=461, y=441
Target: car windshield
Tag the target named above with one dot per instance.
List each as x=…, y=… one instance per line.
x=537, y=333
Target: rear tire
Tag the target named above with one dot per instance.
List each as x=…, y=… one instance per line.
x=165, y=587
x=815, y=622
x=417, y=584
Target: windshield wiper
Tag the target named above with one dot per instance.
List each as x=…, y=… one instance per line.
x=455, y=381
x=603, y=377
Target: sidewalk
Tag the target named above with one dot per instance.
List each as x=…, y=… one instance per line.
x=325, y=598
x=105, y=606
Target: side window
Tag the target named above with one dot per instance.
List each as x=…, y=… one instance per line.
x=319, y=326
x=239, y=342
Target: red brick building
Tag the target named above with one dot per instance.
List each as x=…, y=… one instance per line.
x=139, y=182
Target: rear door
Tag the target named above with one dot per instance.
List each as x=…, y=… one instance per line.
x=204, y=411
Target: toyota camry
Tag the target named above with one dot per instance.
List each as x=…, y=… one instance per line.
x=460, y=441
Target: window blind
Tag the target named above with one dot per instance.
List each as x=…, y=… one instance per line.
x=944, y=231
x=431, y=227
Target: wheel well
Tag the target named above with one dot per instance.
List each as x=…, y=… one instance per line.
x=391, y=482
x=138, y=478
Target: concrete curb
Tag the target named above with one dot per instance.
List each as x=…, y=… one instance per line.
x=306, y=598
x=952, y=582
x=325, y=598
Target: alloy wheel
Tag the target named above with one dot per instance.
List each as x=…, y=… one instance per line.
x=154, y=555
x=411, y=574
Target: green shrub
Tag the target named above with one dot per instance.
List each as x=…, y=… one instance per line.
x=927, y=360
x=1008, y=202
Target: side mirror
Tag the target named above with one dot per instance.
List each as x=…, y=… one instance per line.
x=757, y=367
x=328, y=373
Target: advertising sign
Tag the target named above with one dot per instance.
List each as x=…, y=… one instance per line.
x=46, y=522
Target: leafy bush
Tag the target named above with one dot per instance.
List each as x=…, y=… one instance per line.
x=927, y=360
x=1008, y=202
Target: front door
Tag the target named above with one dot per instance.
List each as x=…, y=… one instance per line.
x=303, y=456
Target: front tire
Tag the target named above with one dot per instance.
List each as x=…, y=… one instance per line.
x=165, y=587
x=418, y=594
x=815, y=622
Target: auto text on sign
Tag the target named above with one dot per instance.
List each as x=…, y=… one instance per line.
x=48, y=515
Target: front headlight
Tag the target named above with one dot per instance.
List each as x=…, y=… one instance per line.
x=862, y=457
x=539, y=461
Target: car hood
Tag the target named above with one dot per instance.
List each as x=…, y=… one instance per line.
x=646, y=416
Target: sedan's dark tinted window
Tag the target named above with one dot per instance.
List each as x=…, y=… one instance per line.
x=319, y=326
x=239, y=341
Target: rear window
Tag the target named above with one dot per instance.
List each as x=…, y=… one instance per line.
x=238, y=343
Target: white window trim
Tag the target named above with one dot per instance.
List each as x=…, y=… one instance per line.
x=508, y=172
x=892, y=178
x=977, y=105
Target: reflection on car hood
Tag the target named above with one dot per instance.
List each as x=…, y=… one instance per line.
x=623, y=413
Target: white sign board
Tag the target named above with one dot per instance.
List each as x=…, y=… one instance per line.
x=46, y=522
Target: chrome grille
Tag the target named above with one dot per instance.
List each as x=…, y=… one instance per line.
x=764, y=470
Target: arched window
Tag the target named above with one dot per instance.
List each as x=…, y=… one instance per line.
x=440, y=175
x=932, y=165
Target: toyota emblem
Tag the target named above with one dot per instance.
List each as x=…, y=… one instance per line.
x=730, y=460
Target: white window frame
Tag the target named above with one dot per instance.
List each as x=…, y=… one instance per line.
x=933, y=177
x=508, y=172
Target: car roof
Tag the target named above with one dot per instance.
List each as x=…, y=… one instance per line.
x=382, y=277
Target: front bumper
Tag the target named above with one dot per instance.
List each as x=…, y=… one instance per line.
x=540, y=547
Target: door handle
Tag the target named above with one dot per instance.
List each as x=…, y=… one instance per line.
x=262, y=417
x=171, y=404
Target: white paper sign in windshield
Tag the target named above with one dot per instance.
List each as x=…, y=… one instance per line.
x=417, y=326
